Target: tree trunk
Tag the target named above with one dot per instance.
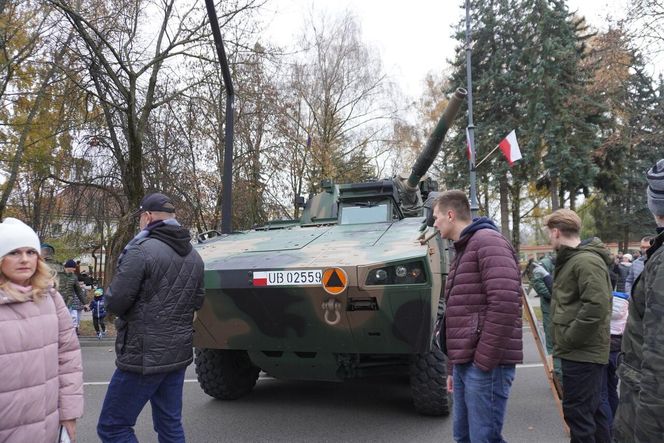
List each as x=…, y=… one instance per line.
x=486, y=197
x=504, y=206
x=628, y=210
x=516, y=216
x=555, y=203
x=133, y=186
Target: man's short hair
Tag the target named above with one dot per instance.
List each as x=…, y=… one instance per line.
x=565, y=220
x=457, y=201
x=647, y=238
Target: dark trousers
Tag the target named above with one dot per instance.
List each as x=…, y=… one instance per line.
x=583, y=384
x=97, y=323
x=612, y=381
x=128, y=393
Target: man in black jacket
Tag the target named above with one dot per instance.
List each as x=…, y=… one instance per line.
x=157, y=287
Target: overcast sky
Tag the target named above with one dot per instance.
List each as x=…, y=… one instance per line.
x=413, y=36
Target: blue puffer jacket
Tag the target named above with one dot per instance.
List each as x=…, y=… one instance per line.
x=156, y=289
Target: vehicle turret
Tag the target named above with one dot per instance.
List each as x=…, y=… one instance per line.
x=390, y=199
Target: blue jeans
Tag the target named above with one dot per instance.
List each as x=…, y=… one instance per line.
x=128, y=393
x=480, y=402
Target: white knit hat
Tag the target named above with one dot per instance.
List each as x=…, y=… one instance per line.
x=15, y=234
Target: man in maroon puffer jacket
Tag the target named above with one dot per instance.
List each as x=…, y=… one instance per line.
x=482, y=319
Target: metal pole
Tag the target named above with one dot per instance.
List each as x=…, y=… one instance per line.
x=474, y=207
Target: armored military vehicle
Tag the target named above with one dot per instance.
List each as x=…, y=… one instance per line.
x=351, y=289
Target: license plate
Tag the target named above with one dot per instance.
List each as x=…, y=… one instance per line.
x=309, y=277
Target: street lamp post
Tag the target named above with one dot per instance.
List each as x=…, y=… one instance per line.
x=474, y=207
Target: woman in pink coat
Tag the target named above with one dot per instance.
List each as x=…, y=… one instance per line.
x=41, y=377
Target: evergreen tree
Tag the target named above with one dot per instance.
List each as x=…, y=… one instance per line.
x=526, y=76
x=633, y=145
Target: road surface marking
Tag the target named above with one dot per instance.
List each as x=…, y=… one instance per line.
x=267, y=377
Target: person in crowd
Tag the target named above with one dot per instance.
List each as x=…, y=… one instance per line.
x=86, y=280
x=98, y=309
x=41, y=375
x=547, y=264
x=48, y=255
x=157, y=287
x=581, y=311
x=542, y=282
x=641, y=371
x=637, y=265
x=623, y=272
x=73, y=294
x=617, y=325
x=482, y=319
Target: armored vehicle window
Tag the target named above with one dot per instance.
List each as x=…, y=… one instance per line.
x=365, y=213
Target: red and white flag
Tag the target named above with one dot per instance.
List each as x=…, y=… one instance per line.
x=510, y=147
x=469, y=151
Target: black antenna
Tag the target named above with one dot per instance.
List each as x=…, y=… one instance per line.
x=227, y=183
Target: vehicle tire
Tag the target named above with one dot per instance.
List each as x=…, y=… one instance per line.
x=428, y=383
x=224, y=374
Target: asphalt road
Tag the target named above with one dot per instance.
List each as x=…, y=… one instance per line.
x=357, y=411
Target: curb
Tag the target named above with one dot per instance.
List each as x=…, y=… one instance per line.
x=94, y=341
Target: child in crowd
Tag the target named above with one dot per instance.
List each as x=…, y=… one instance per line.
x=98, y=312
x=620, y=309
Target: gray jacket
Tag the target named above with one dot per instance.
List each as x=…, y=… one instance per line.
x=634, y=272
x=156, y=289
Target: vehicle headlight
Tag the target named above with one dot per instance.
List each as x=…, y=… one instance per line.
x=380, y=275
x=401, y=274
x=401, y=271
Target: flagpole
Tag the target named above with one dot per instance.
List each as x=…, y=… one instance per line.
x=474, y=207
x=487, y=156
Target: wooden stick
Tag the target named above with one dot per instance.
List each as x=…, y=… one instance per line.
x=556, y=389
x=487, y=156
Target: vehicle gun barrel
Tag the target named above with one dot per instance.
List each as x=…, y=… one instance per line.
x=428, y=155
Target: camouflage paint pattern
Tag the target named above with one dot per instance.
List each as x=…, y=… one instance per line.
x=238, y=315
x=355, y=248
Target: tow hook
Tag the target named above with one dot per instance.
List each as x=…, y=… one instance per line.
x=329, y=306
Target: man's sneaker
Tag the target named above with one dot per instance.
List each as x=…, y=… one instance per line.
x=99, y=335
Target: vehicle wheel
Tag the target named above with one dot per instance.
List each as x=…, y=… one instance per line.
x=224, y=374
x=428, y=383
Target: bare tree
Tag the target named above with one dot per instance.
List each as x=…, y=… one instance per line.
x=339, y=87
x=26, y=108
x=646, y=18
x=134, y=51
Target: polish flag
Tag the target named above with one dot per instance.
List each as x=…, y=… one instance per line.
x=259, y=279
x=469, y=151
x=510, y=147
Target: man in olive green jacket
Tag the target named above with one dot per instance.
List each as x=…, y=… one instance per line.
x=640, y=416
x=581, y=313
